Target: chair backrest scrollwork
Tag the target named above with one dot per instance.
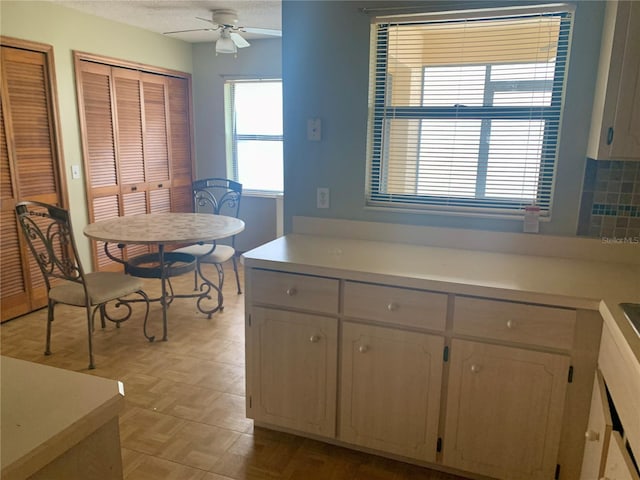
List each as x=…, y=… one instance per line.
x=49, y=234
x=219, y=196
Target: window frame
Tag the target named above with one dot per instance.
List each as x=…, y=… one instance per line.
x=381, y=114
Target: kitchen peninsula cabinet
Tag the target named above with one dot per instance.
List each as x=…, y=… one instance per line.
x=294, y=353
x=296, y=358
x=390, y=376
x=504, y=410
x=453, y=368
x=615, y=122
x=391, y=389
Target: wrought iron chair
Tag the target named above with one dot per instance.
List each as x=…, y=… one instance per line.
x=49, y=234
x=219, y=196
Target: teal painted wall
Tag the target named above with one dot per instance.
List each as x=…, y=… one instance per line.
x=325, y=73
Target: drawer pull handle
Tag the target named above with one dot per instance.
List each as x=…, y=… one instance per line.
x=363, y=348
x=392, y=306
x=592, y=436
x=475, y=368
x=291, y=291
x=314, y=338
x=510, y=324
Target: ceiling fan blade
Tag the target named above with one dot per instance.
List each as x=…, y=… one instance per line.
x=263, y=31
x=238, y=40
x=191, y=30
x=207, y=20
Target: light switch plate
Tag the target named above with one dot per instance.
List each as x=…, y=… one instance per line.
x=314, y=129
x=75, y=171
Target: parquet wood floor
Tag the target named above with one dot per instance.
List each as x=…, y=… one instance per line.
x=185, y=413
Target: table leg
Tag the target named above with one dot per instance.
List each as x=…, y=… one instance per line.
x=163, y=295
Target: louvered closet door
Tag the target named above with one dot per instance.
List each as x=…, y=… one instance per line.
x=137, y=139
x=156, y=142
x=29, y=171
x=130, y=146
x=180, y=144
x=103, y=185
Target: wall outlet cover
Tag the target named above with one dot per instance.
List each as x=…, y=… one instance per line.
x=322, y=197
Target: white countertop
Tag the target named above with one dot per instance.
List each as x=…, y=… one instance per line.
x=47, y=410
x=555, y=281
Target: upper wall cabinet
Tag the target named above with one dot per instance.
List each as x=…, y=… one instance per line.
x=615, y=121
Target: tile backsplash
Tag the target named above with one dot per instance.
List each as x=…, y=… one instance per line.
x=610, y=206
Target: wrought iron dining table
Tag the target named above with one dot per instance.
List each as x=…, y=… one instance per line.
x=161, y=230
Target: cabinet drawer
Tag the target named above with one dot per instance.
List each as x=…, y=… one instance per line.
x=515, y=322
x=400, y=306
x=295, y=291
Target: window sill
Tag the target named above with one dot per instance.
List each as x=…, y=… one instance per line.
x=262, y=194
x=456, y=213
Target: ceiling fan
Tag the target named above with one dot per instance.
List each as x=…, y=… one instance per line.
x=226, y=22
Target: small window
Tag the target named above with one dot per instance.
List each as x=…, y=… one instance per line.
x=254, y=131
x=465, y=110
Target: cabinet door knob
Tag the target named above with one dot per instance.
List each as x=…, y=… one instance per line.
x=392, y=306
x=314, y=338
x=475, y=368
x=510, y=324
x=592, y=436
x=363, y=348
x=291, y=291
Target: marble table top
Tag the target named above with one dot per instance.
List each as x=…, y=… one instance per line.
x=164, y=228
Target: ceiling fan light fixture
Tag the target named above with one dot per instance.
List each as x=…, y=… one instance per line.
x=224, y=44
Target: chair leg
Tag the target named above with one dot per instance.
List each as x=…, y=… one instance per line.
x=90, y=316
x=235, y=269
x=50, y=308
x=195, y=280
x=220, y=275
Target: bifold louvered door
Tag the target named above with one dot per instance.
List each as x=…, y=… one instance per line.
x=29, y=166
x=137, y=144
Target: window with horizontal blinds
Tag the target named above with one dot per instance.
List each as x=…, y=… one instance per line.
x=254, y=129
x=466, y=110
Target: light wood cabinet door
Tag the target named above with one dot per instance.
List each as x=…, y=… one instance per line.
x=619, y=465
x=598, y=432
x=615, y=128
x=294, y=381
x=391, y=382
x=504, y=410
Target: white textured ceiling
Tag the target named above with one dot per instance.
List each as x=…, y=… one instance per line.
x=168, y=15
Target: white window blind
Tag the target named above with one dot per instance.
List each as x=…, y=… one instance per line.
x=254, y=113
x=465, y=111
